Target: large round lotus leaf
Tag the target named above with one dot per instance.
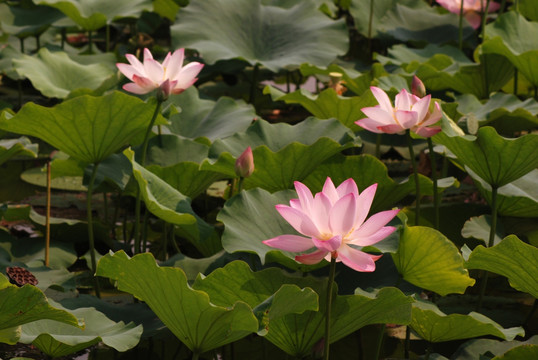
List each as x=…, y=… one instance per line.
x=23, y=22
x=188, y=313
x=54, y=74
x=273, y=36
x=87, y=128
x=495, y=159
x=472, y=349
x=94, y=14
x=512, y=258
x=433, y=325
x=57, y=339
x=516, y=38
x=427, y=259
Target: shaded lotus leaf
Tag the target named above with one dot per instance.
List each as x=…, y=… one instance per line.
x=168, y=8
x=57, y=339
x=23, y=22
x=353, y=80
x=207, y=118
x=273, y=36
x=165, y=202
x=472, y=349
x=516, y=38
x=446, y=67
x=528, y=351
x=107, y=124
x=22, y=146
x=427, y=259
x=433, y=325
x=94, y=14
x=22, y=305
x=505, y=112
x=495, y=159
x=55, y=75
x=406, y=20
x=327, y=104
x=168, y=294
x=512, y=258
x=479, y=228
x=11, y=337
x=7, y=55
x=529, y=9
x=169, y=149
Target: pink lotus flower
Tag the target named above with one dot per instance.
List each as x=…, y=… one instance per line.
x=244, y=165
x=333, y=222
x=170, y=77
x=410, y=112
x=471, y=9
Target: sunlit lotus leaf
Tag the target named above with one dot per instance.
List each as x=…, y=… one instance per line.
x=165, y=202
x=505, y=112
x=512, y=258
x=479, y=227
x=297, y=333
x=23, y=22
x=22, y=146
x=107, y=124
x=427, y=259
x=446, y=67
x=354, y=80
x=273, y=36
x=21, y=305
x=276, y=148
x=168, y=8
x=56, y=339
x=529, y=351
x=188, y=313
x=406, y=20
x=433, y=325
x=516, y=38
x=327, y=104
x=94, y=14
x=210, y=119
x=54, y=74
x=495, y=159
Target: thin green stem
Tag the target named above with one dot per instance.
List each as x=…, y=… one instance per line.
x=515, y=81
x=415, y=171
x=433, y=162
x=328, y=307
x=64, y=37
x=195, y=355
x=138, y=204
x=90, y=42
x=240, y=184
x=484, y=18
x=492, y=232
x=90, y=227
x=503, y=5
x=407, y=342
x=107, y=37
x=47, y=217
x=370, y=25
x=460, y=32
x=380, y=341
x=37, y=42
x=254, y=84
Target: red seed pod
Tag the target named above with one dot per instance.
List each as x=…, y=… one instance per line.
x=20, y=276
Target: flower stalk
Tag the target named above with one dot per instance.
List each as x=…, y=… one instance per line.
x=90, y=228
x=433, y=162
x=328, y=307
x=417, y=180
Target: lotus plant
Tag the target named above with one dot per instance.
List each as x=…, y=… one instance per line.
x=334, y=224
x=471, y=9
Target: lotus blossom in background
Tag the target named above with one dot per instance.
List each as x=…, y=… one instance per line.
x=409, y=113
x=170, y=77
x=471, y=9
x=334, y=223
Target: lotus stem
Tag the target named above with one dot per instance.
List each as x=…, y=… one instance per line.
x=328, y=307
x=491, y=242
x=240, y=184
x=378, y=146
x=484, y=18
x=460, y=31
x=107, y=37
x=195, y=355
x=415, y=171
x=90, y=228
x=252, y=99
x=503, y=5
x=407, y=341
x=380, y=341
x=37, y=42
x=433, y=162
x=138, y=203
x=47, y=218
x=515, y=81
x=90, y=42
x=370, y=24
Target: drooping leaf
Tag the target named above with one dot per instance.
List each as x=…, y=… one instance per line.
x=188, y=313
x=427, y=259
x=273, y=36
x=22, y=146
x=529, y=351
x=55, y=75
x=106, y=125
x=433, y=325
x=479, y=228
x=511, y=258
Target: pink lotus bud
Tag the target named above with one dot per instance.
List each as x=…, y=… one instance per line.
x=244, y=165
x=417, y=87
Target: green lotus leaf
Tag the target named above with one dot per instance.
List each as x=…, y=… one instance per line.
x=7, y=55
x=478, y=227
x=433, y=325
x=57, y=339
x=353, y=80
x=446, y=67
x=94, y=14
x=472, y=349
x=529, y=351
x=497, y=160
x=23, y=22
x=22, y=305
x=273, y=36
x=167, y=203
x=22, y=146
x=511, y=258
x=427, y=259
x=107, y=124
x=55, y=75
x=188, y=313
x=516, y=38
x=209, y=119
x=406, y=20
x=529, y=9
